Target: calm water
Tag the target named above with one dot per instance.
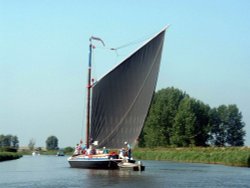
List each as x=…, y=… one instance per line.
x=52, y=171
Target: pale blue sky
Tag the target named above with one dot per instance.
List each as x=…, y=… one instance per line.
x=44, y=56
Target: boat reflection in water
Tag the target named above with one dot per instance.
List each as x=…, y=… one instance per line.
x=35, y=153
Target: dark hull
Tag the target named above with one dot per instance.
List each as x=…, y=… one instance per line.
x=94, y=163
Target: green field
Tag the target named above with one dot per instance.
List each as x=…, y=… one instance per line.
x=232, y=156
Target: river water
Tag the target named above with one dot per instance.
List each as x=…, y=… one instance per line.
x=52, y=172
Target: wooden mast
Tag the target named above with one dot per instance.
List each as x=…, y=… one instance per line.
x=88, y=94
x=89, y=86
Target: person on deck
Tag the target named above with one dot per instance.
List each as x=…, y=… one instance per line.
x=128, y=149
x=84, y=149
x=91, y=150
x=122, y=153
x=77, y=149
x=105, y=150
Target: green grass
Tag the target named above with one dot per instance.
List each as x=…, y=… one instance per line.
x=4, y=156
x=232, y=156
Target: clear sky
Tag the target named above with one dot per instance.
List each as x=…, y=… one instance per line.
x=44, y=56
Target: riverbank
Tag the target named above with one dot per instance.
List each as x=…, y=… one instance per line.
x=4, y=156
x=43, y=152
x=232, y=156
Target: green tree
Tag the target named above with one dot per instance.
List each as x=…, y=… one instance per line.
x=9, y=143
x=68, y=149
x=201, y=128
x=235, y=125
x=15, y=142
x=158, y=125
x=5, y=140
x=52, y=143
x=191, y=127
x=184, y=124
x=32, y=144
x=227, y=126
x=217, y=133
x=219, y=130
x=1, y=140
x=176, y=119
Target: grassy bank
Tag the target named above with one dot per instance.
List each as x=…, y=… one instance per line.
x=233, y=156
x=43, y=152
x=4, y=156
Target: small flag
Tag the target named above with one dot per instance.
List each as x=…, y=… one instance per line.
x=97, y=38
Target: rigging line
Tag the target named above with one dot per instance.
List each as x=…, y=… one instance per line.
x=128, y=44
x=132, y=43
x=142, y=39
x=125, y=45
x=104, y=47
x=132, y=104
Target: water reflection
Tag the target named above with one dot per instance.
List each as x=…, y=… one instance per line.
x=107, y=178
x=52, y=171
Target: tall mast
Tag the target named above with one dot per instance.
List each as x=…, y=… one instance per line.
x=89, y=86
x=88, y=94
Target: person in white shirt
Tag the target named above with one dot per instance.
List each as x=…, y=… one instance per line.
x=129, y=153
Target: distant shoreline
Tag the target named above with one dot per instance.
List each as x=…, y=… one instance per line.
x=230, y=156
x=6, y=156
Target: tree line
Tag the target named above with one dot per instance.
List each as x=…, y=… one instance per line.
x=51, y=143
x=176, y=119
x=9, y=141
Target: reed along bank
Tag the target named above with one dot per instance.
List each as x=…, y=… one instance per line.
x=5, y=156
x=232, y=156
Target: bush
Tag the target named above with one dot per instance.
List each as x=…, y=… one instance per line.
x=233, y=156
x=68, y=150
x=8, y=149
x=4, y=156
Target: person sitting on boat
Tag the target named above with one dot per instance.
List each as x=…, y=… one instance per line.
x=91, y=150
x=105, y=150
x=122, y=153
x=77, y=150
x=84, y=149
x=128, y=149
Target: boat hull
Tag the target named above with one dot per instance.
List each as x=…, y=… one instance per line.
x=129, y=165
x=94, y=163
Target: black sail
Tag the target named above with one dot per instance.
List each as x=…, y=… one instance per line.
x=121, y=99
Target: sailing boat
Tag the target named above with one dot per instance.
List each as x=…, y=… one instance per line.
x=118, y=103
